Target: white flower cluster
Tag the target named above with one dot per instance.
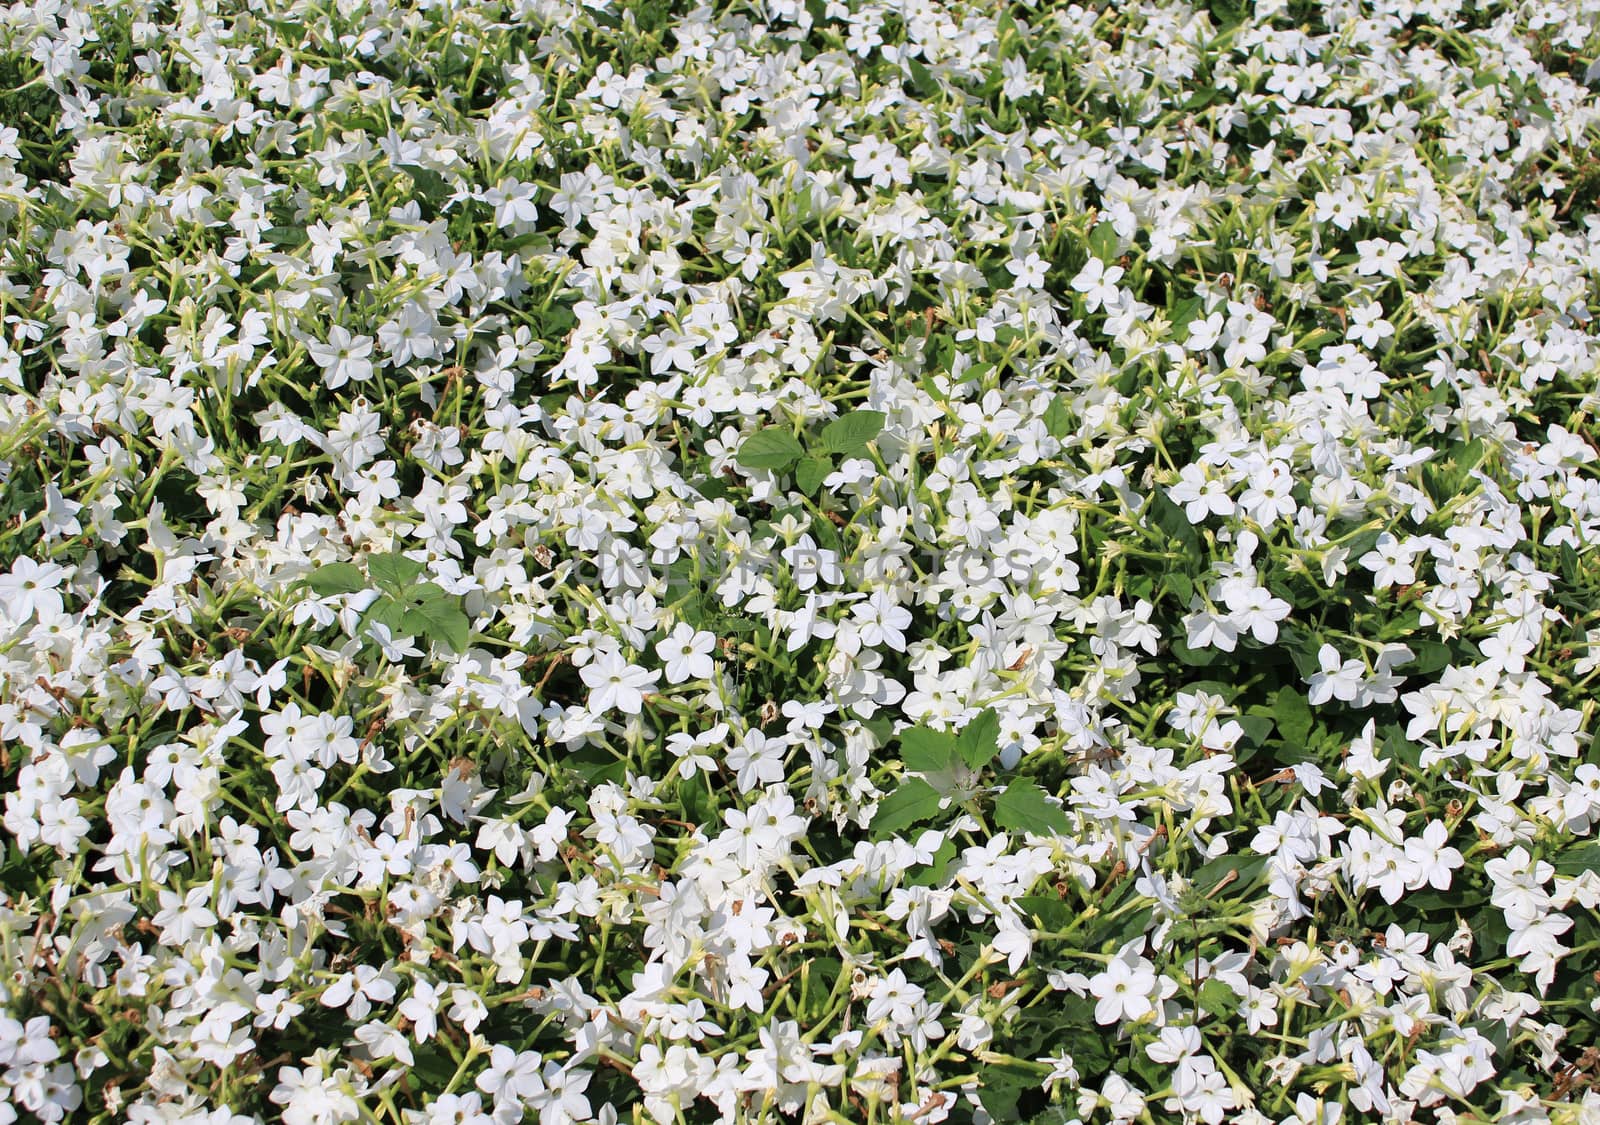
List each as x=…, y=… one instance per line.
x=799, y=560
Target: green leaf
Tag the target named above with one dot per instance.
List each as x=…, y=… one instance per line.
x=1104, y=243
x=1001, y=1090
x=811, y=473
x=426, y=592
x=1180, y=585
x=439, y=621
x=1057, y=419
x=1023, y=807
x=1174, y=522
x=1194, y=657
x=934, y=874
x=925, y=750
x=915, y=800
x=394, y=572
x=1052, y=912
x=1293, y=715
x=977, y=373
x=388, y=612
x=1303, y=645
x=1577, y=860
x=429, y=186
x=979, y=740
x=1257, y=728
x=1185, y=313
x=337, y=578
x=1243, y=868
x=1218, y=999
x=771, y=448
x=848, y=434
x=1427, y=656
x=922, y=79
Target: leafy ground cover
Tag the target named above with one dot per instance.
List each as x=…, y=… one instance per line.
x=816, y=562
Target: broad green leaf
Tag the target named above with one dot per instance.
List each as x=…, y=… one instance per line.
x=1303, y=646
x=1292, y=713
x=915, y=800
x=1057, y=419
x=1256, y=727
x=979, y=740
x=771, y=448
x=427, y=592
x=848, y=434
x=1104, y=243
x=1001, y=1090
x=934, y=873
x=1173, y=521
x=287, y=237
x=1184, y=313
x=927, y=751
x=1428, y=656
x=1577, y=860
x=1052, y=912
x=439, y=621
x=429, y=186
x=1023, y=807
x=394, y=572
x=388, y=612
x=811, y=473
x=1239, y=871
x=1194, y=657
x=1218, y=999
x=977, y=372
x=337, y=578
x=1180, y=585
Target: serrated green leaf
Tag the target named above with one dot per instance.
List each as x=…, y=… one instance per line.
x=979, y=740
x=914, y=800
x=848, y=434
x=337, y=578
x=1023, y=807
x=772, y=448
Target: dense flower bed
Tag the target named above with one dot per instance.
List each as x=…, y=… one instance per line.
x=807, y=561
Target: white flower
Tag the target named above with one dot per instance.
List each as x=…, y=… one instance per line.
x=687, y=652
x=1123, y=991
x=615, y=684
x=1335, y=679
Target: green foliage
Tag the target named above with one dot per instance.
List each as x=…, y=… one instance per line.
x=404, y=606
